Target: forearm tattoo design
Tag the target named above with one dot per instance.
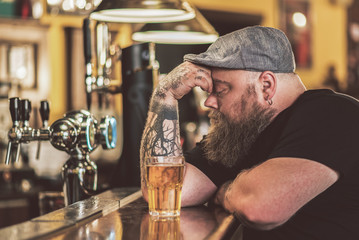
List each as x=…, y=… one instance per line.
x=161, y=136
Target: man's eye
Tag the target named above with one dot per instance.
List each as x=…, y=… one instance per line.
x=220, y=93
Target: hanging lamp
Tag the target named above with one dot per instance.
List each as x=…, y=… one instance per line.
x=195, y=31
x=143, y=11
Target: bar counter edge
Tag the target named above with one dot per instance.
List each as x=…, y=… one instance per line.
x=73, y=215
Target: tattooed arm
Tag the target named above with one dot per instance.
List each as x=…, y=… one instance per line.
x=161, y=136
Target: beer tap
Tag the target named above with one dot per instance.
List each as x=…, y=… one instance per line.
x=44, y=113
x=21, y=132
x=27, y=131
x=14, y=134
x=101, y=83
x=78, y=133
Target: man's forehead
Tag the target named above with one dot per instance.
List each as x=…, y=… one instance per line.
x=222, y=75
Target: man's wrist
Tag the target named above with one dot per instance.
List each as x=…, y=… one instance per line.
x=163, y=92
x=164, y=110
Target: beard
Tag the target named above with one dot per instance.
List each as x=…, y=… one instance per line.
x=229, y=142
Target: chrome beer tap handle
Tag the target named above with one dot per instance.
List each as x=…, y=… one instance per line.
x=27, y=131
x=44, y=131
x=44, y=113
x=15, y=110
x=15, y=132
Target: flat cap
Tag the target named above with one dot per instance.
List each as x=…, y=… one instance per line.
x=255, y=48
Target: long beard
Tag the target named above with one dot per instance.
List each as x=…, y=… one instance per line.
x=229, y=142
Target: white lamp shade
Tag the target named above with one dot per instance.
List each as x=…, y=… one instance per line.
x=143, y=11
x=195, y=31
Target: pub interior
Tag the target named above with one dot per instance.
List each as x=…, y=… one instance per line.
x=67, y=70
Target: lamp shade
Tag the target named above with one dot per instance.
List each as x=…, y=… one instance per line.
x=195, y=31
x=143, y=11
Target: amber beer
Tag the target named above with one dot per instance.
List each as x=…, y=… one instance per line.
x=164, y=176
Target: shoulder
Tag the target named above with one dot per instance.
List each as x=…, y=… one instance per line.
x=325, y=104
x=321, y=116
x=328, y=98
x=321, y=126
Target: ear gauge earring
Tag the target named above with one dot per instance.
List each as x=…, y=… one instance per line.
x=269, y=101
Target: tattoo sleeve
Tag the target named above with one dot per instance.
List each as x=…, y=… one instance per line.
x=161, y=136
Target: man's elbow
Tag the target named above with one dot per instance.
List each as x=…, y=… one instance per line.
x=260, y=218
x=259, y=223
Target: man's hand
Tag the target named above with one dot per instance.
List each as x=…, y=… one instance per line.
x=221, y=194
x=182, y=79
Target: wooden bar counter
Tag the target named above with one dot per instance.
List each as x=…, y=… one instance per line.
x=123, y=214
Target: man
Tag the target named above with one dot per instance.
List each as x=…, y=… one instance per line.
x=283, y=159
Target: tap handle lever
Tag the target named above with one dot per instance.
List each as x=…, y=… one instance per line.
x=25, y=109
x=87, y=40
x=44, y=112
x=88, y=56
x=14, y=105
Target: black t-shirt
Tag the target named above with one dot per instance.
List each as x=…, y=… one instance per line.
x=322, y=126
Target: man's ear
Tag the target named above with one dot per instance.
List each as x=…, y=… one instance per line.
x=268, y=81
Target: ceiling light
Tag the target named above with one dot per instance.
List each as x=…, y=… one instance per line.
x=143, y=11
x=195, y=31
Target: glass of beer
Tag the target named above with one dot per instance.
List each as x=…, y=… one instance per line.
x=164, y=180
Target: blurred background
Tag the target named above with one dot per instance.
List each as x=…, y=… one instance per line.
x=42, y=57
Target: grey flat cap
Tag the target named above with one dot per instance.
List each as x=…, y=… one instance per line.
x=254, y=48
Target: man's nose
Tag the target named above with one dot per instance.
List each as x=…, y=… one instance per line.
x=211, y=102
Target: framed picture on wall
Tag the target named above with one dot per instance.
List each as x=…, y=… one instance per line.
x=295, y=21
x=18, y=64
x=21, y=64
